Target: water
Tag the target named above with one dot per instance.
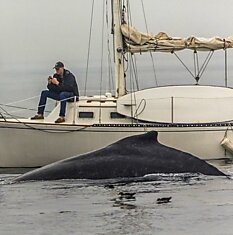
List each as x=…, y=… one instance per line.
x=199, y=205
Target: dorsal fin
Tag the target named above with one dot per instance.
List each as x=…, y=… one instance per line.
x=151, y=136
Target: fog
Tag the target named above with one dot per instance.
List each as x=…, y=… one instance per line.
x=36, y=34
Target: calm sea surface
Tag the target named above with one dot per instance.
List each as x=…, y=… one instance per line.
x=199, y=205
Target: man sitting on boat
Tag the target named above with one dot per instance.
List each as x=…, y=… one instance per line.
x=62, y=86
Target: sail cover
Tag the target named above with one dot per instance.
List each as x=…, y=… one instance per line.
x=137, y=42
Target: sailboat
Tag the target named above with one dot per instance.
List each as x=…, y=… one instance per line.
x=192, y=118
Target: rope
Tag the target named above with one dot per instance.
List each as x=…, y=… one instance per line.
x=183, y=64
x=102, y=53
x=23, y=108
x=132, y=57
x=19, y=101
x=89, y=46
x=206, y=62
x=129, y=60
x=134, y=63
x=17, y=107
x=132, y=98
x=198, y=68
x=39, y=129
x=136, y=112
x=226, y=70
x=10, y=105
x=198, y=72
x=110, y=69
x=152, y=58
x=195, y=66
x=101, y=61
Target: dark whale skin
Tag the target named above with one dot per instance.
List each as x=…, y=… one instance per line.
x=133, y=156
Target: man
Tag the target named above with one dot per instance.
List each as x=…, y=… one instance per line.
x=61, y=86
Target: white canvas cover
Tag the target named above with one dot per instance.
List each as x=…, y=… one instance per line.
x=137, y=42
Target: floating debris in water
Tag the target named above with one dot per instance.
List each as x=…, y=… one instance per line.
x=126, y=195
x=164, y=200
x=110, y=186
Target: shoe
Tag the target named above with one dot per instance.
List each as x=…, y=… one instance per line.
x=37, y=117
x=60, y=120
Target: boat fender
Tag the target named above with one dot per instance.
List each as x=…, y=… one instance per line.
x=227, y=144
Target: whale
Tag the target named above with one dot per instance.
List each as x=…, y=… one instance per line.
x=134, y=156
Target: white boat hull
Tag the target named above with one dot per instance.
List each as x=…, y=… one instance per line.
x=33, y=145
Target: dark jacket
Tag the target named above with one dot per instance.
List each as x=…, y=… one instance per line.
x=67, y=82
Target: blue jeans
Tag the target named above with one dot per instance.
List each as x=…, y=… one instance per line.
x=63, y=96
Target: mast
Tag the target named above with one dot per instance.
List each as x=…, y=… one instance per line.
x=118, y=48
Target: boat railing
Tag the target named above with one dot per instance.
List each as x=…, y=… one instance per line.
x=14, y=109
x=174, y=109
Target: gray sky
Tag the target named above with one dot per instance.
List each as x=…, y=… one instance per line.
x=35, y=34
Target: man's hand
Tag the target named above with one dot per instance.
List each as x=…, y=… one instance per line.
x=54, y=81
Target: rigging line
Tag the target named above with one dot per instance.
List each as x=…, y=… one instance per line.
x=18, y=107
x=6, y=115
x=154, y=69
x=151, y=55
x=19, y=101
x=195, y=65
x=102, y=50
x=133, y=73
x=226, y=69
x=126, y=68
x=129, y=65
x=198, y=68
x=130, y=56
x=129, y=16
x=89, y=46
x=206, y=63
x=110, y=69
x=23, y=109
x=132, y=98
x=101, y=60
x=144, y=14
x=134, y=62
x=38, y=129
x=134, y=93
x=30, y=109
x=126, y=59
x=183, y=64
